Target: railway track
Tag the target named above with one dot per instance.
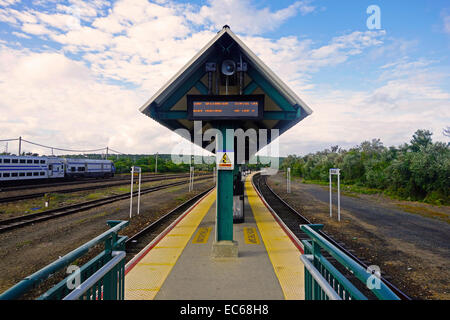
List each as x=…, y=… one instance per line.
x=92, y=187
x=60, y=183
x=293, y=219
x=140, y=240
x=21, y=221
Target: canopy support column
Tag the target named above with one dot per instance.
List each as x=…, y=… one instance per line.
x=224, y=246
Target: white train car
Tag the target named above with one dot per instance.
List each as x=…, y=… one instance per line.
x=23, y=168
x=19, y=168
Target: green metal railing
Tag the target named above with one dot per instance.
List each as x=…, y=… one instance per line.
x=102, y=278
x=324, y=282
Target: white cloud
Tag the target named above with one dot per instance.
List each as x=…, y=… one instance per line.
x=244, y=17
x=36, y=29
x=21, y=35
x=51, y=99
x=6, y=3
x=69, y=103
x=445, y=16
x=393, y=111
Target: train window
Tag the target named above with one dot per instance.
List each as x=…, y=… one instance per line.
x=15, y=161
x=42, y=173
x=72, y=169
x=22, y=161
x=42, y=161
x=6, y=160
x=29, y=174
x=35, y=173
x=14, y=174
x=6, y=175
x=21, y=174
x=50, y=167
x=1, y=160
x=29, y=161
x=80, y=168
x=36, y=161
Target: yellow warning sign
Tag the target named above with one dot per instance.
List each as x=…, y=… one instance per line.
x=225, y=160
x=251, y=236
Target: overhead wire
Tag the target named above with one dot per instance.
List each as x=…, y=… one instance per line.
x=61, y=149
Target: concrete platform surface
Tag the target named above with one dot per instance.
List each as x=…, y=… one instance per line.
x=181, y=265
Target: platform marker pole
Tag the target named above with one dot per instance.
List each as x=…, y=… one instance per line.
x=139, y=192
x=339, y=197
x=192, y=178
x=338, y=173
x=331, y=205
x=131, y=192
x=288, y=182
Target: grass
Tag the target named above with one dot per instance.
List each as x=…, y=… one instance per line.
x=352, y=189
x=346, y=187
x=23, y=244
x=425, y=212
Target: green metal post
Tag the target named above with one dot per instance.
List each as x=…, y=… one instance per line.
x=224, y=209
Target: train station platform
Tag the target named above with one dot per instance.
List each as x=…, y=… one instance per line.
x=177, y=265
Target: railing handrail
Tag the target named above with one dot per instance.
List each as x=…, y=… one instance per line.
x=305, y=258
x=384, y=292
x=89, y=282
x=28, y=282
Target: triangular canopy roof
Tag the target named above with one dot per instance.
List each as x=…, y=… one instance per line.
x=282, y=107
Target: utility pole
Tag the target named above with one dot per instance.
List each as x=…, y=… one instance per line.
x=20, y=146
x=106, y=153
x=156, y=165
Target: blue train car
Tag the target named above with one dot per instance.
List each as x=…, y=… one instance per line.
x=89, y=168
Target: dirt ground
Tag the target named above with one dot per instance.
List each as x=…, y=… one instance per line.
x=24, y=251
x=18, y=208
x=412, y=249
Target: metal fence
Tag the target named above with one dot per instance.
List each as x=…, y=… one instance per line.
x=102, y=278
x=324, y=282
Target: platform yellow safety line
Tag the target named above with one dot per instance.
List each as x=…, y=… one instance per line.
x=146, y=278
x=283, y=254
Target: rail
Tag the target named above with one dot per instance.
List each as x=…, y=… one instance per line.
x=320, y=274
x=109, y=287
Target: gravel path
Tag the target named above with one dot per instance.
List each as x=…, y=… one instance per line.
x=412, y=249
x=24, y=251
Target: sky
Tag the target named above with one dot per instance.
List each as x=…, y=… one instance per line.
x=73, y=73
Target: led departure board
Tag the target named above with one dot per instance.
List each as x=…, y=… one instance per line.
x=232, y=107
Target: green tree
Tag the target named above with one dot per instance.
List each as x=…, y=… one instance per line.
x=421, y=138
